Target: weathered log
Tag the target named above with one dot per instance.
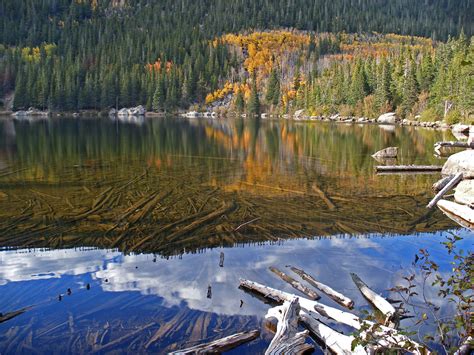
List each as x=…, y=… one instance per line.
x=287, y=339
x=386, y=337
x=378, y=301
x=452, y=183
x=334, y=295
x=408, y=168
x=295, y=284
x=454, y=144
x=462, y=212
x=441, y=183
x=338, y=343
x=221, y=345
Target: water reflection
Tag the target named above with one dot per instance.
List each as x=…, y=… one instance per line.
x=172, y=185
x=129, y=292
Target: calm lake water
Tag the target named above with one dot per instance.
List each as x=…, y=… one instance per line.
x=133, y=216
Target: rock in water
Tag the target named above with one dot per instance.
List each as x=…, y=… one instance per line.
x=388, y=118
x=462, y=162
x=390, y=152
x=464, y=192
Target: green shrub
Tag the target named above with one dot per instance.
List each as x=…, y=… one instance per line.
x=429, y=115
x=453, y=117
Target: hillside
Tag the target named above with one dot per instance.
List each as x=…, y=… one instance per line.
x=96, y=54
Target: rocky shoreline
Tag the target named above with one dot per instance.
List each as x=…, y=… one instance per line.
x=385, y=119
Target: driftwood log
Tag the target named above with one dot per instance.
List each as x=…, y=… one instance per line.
x=441, y=183
x=454, y=144
x=295, y=284
x=334, y=295
x=463, y=212
x=221, y=345
x=287, y=339
x=336, y=342
x=408, y=168
x=386, y=337
x=449, y=185
x=376, y=300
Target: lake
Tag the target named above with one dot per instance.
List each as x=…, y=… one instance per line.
x=150, y=223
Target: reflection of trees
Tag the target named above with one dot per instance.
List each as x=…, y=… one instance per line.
x=80, y=178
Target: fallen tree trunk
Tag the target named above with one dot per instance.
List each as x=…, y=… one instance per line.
x=454, y=144
x=334, y=295
x=376, y=300
x=452, y=183
x=221, y=345
x=287, y=339
x=338, y=343
x=407, y=168
x=295, y=284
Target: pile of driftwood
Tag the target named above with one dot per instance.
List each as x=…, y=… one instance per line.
x=294, y=313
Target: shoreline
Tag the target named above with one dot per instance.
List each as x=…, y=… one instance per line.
x=37, y=115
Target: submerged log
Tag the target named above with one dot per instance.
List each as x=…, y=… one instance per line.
x=10, y=315
x=295, y=284
x=221, y=345
x=408, y=168
x=334, y=295
x=323, y=197
x=287, y=339
x=378, y=301
x=452, y=183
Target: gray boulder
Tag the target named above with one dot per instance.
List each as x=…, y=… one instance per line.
x=462, y=162
x=388, y=118
x=390, y=152
x=464, y=192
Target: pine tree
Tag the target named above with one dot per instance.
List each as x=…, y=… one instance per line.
x=253, y=106
x=273, y=88
x=239, y=101
x=410, y=88
x=159, y=96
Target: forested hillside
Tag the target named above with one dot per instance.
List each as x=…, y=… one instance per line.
x=96, y=54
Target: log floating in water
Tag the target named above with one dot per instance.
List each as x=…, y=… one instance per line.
x=441, y=183
x=462, y=212
x=452, y=183
x=334, y=295
x=378, y=301
x=454, y=144
x=408, y=168
x=295, y=284
x=221, y=345
x=287, y=339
